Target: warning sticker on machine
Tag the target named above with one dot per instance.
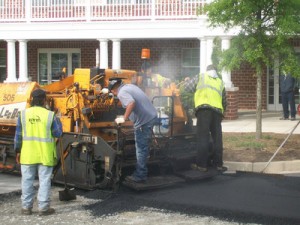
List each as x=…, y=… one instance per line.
x=9, y=113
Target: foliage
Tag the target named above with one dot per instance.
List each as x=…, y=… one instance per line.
x=187, y=98
x=217, y=53
x=264, y=29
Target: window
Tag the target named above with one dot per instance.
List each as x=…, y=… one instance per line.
x=190, y=62
x=2, y=65
x=52, y=61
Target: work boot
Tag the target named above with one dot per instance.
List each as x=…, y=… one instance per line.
x=199, y=168
x=26, y=211
x=47, y=212
x=221, y=169
x=284, y=118
x=135, y=180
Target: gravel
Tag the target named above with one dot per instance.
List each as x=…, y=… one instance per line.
x=86, y=210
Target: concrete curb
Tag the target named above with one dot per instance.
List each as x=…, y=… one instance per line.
x=277, y=167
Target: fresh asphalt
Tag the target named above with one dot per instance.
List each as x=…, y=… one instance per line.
x=242, y=196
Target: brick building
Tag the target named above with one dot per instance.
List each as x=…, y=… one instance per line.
x=38, y=38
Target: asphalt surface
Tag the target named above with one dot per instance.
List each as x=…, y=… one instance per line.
x=242, y=197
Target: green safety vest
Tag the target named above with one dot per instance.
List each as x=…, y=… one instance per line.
x=38, y=146
x=209, y=92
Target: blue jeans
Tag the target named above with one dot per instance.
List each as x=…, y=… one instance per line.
x=143, y=136
x=28, y=176
x=288, y=98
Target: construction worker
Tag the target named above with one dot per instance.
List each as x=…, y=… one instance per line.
x=36, y=130
x=153, y=79
x=142, y=113
x=152, y=82
x=210, y=104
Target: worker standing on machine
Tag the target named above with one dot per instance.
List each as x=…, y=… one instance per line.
x=36, y=130
x=140, y=110
x=151, y=79
x=210, y=104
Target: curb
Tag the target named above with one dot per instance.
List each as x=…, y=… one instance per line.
x=277, y=167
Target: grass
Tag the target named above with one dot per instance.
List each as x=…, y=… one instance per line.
x=248, y=141
x=244, y=147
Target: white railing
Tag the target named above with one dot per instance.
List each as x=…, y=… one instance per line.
x=98, y=10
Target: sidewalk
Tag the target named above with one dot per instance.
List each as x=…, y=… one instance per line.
x=270, y=123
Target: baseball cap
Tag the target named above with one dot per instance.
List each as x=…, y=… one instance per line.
x=113, y=82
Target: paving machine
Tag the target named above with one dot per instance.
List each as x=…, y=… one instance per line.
x=97, y=152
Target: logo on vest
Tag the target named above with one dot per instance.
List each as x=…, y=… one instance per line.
x=34, y=120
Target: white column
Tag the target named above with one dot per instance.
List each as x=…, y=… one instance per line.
x=116, y=54
x=226, y=75
x=209, y=50
x=203, y=49
x=103, y=53
x=11, y=61
x=97, y=58
x=23, y=65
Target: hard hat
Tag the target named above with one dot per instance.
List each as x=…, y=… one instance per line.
x=38, y=93
x=113, y=82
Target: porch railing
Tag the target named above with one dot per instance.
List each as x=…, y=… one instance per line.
x=14, y=11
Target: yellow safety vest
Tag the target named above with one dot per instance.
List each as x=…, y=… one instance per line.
x=38, y=146
x=158, y=80
x=209, y=92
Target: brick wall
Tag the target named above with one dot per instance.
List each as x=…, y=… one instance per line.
x=88, y=53
x=232, y=96
x=165, y=56
x=245, y=80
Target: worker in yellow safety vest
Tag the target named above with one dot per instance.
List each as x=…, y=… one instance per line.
x=35, y=146
x=210, y=104
x=152, y=82
x=152, y=79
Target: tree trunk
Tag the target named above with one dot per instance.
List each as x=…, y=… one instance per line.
x=259, y=103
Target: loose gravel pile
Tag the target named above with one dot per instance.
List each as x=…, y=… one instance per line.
x=87, y=209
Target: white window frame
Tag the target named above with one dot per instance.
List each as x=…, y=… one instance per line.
x=3, y=65
x=182, y=66
x=50, y=51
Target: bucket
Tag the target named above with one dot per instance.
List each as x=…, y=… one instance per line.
x=145, y=53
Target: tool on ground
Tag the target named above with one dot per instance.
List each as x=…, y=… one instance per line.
x=282, y=144
x=66, y=194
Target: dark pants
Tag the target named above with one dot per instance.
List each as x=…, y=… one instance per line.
x=288, y=98
x=209, y=127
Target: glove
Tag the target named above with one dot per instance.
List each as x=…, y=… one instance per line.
x=104, y=90
x=119, y=120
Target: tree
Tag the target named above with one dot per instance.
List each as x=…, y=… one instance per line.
x=265, y=30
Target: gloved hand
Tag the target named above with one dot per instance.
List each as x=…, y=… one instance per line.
x=104, y=90
x=119, y=120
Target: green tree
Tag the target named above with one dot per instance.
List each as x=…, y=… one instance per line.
x=265, y=31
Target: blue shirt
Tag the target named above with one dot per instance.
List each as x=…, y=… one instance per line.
x=143, y=111
x=56, y=130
